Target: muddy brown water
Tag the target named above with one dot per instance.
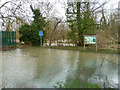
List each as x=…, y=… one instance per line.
x=41, y=68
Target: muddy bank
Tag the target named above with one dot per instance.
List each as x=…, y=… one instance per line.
x=14, y=47
x=81, y=49
x=75, y=48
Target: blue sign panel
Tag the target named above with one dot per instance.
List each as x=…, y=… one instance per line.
x=40, y=33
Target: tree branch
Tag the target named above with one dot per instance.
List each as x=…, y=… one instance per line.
x=4, y=4
x=100, y=6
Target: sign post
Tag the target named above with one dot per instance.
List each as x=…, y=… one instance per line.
x=40, y=40
x=84, y=43
x=90, y=39
x=96, y=43
x=40, y=34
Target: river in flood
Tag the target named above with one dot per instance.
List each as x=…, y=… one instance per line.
x=41, y=68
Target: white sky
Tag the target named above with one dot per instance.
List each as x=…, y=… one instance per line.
x=110, y=6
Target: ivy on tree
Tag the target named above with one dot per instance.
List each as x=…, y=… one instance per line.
x=80, y=21
x=30, y=33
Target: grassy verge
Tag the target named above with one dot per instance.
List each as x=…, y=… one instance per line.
x=75, y=84
x=75, y=48
x=81, y=49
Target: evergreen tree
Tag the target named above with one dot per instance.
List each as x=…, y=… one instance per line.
x=80, y=20
x=30, y=33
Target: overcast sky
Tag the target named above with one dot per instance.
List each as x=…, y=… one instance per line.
x=111, y=5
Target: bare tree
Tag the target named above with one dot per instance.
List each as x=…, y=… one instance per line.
x=52, y=30
x=14, y=13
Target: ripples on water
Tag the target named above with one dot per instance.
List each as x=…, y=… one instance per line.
x=42, y=68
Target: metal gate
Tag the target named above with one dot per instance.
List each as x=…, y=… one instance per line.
x=7, y=38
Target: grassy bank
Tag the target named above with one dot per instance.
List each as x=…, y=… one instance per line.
x=81, y=49
x=75, y=84
x=75, y=48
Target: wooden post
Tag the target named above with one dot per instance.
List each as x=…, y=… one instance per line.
x=84, y=42
x=96, y=47
x=96, y=43
x=84, y=46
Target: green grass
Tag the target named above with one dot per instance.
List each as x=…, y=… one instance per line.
x=75, y=84
x=81, y=49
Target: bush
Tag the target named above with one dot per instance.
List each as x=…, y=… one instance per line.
x=29, y=34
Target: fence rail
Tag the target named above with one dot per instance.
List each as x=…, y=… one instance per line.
x=7, y=38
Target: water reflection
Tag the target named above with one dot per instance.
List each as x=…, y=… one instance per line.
x=0, y=69
x=42, y=68
x=86, y=66
x=99, y=70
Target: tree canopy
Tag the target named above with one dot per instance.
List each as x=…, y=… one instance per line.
x=80, y=21
x=30, y=33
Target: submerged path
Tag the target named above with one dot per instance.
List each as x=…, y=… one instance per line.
x=41, y=67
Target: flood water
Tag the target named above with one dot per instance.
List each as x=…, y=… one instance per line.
x=41, y=68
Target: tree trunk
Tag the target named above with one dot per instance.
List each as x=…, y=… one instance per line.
x=80, y=32
x=53, y=32
x=50, y=42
